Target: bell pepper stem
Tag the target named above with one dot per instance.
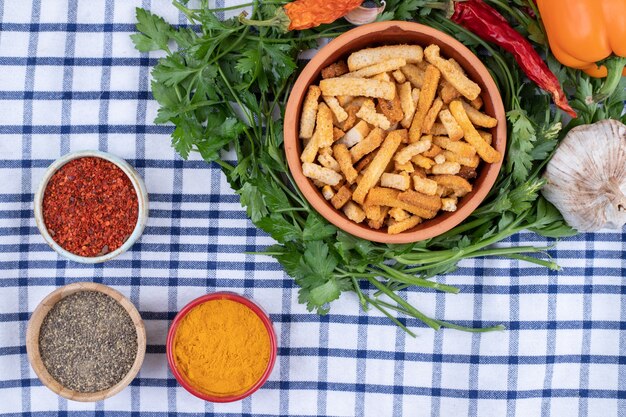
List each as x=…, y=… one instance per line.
x=615, y=66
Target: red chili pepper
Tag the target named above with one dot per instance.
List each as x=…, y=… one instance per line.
x=491, y=26
x=305, y=14
x=90, y=207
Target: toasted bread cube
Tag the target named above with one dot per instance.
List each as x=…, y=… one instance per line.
x=459, y=147
x=367, y=145
x=390, y=198
x=483, y=149
x=380, y=221
x=324, y=175
x=355, y=135
x=432, y=152
x=427, y=96
x=407, y=103
x=372, y=56
x=451, y=127
x=343, y=195
x=335, y=70
x=404, y=225
x=414, y=75
x=431, y=116
x=452, y=72
x=477, y=117
x=327, y=161
x=449, y=204
x=365, y=161
x=368, y=113
x=459, y=186
x=487, y=137
x=438, y=129
x=310, y=149
x=340, y=114
x=371, y=212
x=405, y=167
x=413, y=149
x=354, y=212
x=477, y=103
x=398, y=214
x=379, y=68
x=309, y=112
x=439, y=159
x=324, y=126
x=338, y=133
x=424, y=185
x=383, y=76
x=467, y=172
x=392, y=109
x=344, y=100
x=399, y=76
x=377, y=167
x=423, y=162
x=427, y=202
x=328, y=192
x=448, y=168
x=343, y=157
x=397, y=181
x=448, y=92
x=358, y=87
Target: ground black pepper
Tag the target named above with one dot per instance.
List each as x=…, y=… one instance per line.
x=88, y=342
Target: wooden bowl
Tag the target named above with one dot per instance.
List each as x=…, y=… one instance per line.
x=382, y=33
x=32, y=341
x=142, y=200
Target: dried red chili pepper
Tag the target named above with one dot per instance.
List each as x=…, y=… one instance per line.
x=491, y=26
x=90, y=207
x=305, y=14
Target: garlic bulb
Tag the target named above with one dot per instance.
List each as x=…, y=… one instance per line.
x=587, y=177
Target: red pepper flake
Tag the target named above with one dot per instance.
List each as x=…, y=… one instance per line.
x=90, y=207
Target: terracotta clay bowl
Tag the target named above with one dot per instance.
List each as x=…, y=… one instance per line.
x=32, y=341
x=390, y=33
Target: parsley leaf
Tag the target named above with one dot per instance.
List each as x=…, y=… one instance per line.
x=155, y=32
x=279, y=228
x=172, y=70
x=252, y=200
x=522, y=137
x=317, y=228
x=319, y=285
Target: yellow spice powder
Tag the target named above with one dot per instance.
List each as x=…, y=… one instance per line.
x=222, y=348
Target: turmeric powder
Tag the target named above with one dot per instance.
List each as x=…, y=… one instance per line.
x=222, y=348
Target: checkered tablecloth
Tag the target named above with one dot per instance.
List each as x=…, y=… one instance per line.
x=70, y=80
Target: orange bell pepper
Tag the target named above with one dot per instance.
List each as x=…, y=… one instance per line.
x=589, y=35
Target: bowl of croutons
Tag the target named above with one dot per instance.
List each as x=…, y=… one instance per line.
x=395, y=132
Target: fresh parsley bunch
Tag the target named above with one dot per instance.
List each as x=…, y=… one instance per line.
x=224, y=86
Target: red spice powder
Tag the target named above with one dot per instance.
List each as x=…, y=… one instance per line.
x=90, y=207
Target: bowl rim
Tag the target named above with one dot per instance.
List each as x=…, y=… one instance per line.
x=34, y=327
x=313, y=196
x=222, y=295
x=138, y=185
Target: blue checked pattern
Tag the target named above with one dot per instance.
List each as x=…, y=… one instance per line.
x=70, y=79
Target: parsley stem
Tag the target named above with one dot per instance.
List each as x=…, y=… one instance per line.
x=409, y=308
x=379, y=307
x=395, y=275
x=291, y=209
x=449, y=325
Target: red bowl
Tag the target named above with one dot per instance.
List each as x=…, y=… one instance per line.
x=221, y=296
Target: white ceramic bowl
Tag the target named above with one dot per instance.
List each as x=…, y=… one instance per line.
x=142, y=199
